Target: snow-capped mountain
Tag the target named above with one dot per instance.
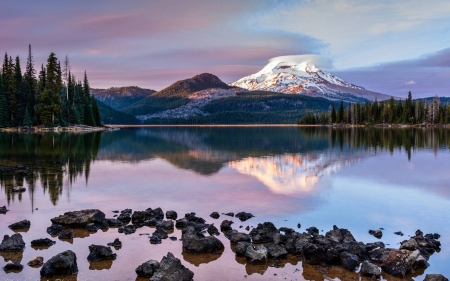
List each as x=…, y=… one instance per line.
x=285, y=75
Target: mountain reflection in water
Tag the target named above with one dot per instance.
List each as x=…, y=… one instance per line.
x=287, y=160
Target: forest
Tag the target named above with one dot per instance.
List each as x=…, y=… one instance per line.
x=409, y=111
x=53, y=98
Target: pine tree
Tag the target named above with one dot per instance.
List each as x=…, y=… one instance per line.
x=96, y=112
x=340, y=113
x=407, y=110
x=21, y=96
x=29, y=85
x=88, y=114
x=333, y=113
x=50, y=100
x=9, y=84
x=4, y=113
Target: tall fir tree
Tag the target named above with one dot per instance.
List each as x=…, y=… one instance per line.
x=9, y=83
x=4, y=113
x=88, y=114
x=50, y=99
x=96, y=112
x=340, y=113
x=21, y=96
x=29, y=85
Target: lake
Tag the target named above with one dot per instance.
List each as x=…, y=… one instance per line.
x=358, y=179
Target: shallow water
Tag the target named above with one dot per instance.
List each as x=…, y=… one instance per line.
x=358, y=179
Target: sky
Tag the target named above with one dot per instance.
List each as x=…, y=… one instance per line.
x=390, y=47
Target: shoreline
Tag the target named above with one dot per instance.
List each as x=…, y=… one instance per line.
x=58, y=129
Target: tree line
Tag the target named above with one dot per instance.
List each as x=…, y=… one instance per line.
x=54, y=98
x=387, y=112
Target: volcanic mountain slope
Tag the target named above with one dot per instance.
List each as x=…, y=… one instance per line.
x=304, y=77
x=120, y=97
x=175, y=95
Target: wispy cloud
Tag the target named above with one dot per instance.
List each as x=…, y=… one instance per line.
x=410, y=82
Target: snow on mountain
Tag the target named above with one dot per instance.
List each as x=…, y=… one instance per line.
x=288, y=75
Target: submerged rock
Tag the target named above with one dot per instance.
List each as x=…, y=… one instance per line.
x=13, y=243
x=20, y=224
x=116, y=244
x=128, y=229
x=147, y=269
x=114, y=222
x=13, y=266
x=64, y=263
x=170, y=268
x=55, y=229
x=68, y=234
x=37, y=261
x=42, y=242
x=100, y=253
x=80, y=219
x=196, y=243
x=155, y=240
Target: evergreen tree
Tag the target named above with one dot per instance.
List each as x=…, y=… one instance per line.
x=50, y=100
x=21, y=96
x=9, y=84
x=4, y=113
x=88, y=113
x=29, y=85
x=407, y=110
x=96, y=112
x=333, y=113
x=340, y=113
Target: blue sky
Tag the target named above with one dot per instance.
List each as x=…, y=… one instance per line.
x=387, y=46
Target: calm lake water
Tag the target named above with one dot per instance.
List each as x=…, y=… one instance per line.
x=359, y=179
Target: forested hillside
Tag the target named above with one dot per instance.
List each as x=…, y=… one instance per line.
x=120, y=97
x=111, y=116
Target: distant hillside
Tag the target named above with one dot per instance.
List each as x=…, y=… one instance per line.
x=256, y=107
x=111, y=116
x=120, y=97
x=175, y=95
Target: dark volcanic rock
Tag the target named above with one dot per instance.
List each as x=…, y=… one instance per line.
x=147, y=268
x=231, y=214
x=20, y=225
x=369, y=270
x=296, y=242
x=55, y=229
x=376, y=233
x=312, y=230
x=37, y=261
x=79, y=219
x=212, y=230
x=114, y=222
x=378, y=255
x=13, y=243
x=371, y=246
x=139, y=217
x=64, y=263
x=170, y=268
x=340, y=235
x=191, y=220
x=156, y=213
x=399, y=233
x=116, y=243
x=410, y=245
x=13, y=266
x=320, y=254
x=287, y=230
x=128, y=229
x=151, y=222
x=435, y=277
x=226, y=225
x=161, y=233
x=3, y=210
x=258, y=255
x=125, y=215
x=241, y=248
x=42, y=242
x=172, y=215
x=243, y=216
x=100, y=253
x=349, y=261
x=400, y=262
x=196, y=243
x=155, y=240
x=215, y=215
x=68, y=234
x=165, y=224
x=276, y=251
x=236, y=236
x=263, y=232
x=91, y=227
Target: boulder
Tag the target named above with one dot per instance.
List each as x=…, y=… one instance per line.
x=276, y=251
x=64, y=263
x=151, y=222
x=167, y=225
x=128, y=229
x=68, y=234
x=125, y=215
x=312, y=230
x=371, y=246
x=435, y=277
x=139, y=217
x=349, y=261
x=156, y=213
x=226, y=225
x=114, y=222
x=116, y=244
x=263, y=233
x=410, y=245
x=287, y=230
x=296, y=242
x=37, y=261
x=170, y=268
x=212, y=230
x=80, y=219
x=399, y=233
x=20, y=224
x=421, y=262
x=215, y=215
x=400, y=262
x=13, y=266
x=230, y=214
x=91, y=227
x=370, y=270
x=155, y=240
x=340, y=235
x=378, y=255
x=258, y=255
x=243, y=216
x=172, y=215
x=161, y=233
x=196, y=243
x=100, y=253
x=42, y=242
x=147, y=268
x=55, y=229
x=376, y=233
x=13, y=243
x=241, y=248
x=236, y=236
x=321, y=254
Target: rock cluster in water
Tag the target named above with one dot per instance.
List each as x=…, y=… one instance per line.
x=337, y=247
